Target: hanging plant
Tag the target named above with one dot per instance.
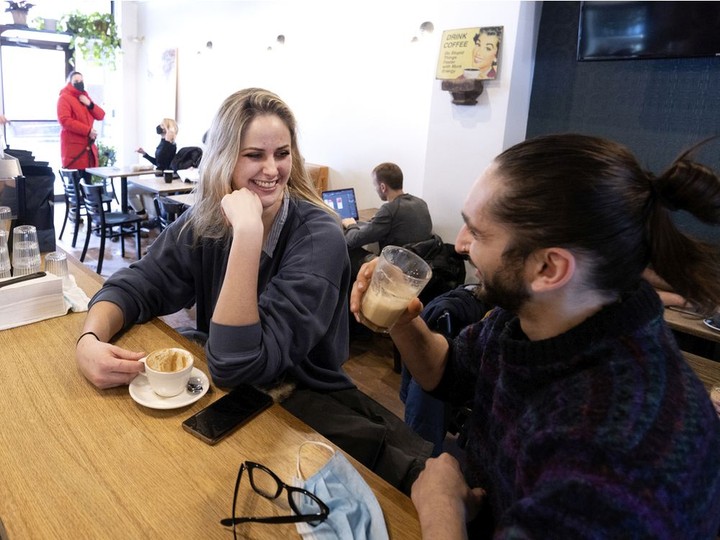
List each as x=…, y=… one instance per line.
x=94, y=35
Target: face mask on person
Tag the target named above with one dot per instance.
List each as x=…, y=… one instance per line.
x=354, y=511
x=79, y=86
x=159, y=129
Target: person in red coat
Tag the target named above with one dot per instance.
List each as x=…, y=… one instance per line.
x=76, y=113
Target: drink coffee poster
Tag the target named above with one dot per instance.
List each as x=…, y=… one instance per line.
x=470, y=53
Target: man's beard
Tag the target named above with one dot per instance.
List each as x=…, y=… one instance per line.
x=506, y=288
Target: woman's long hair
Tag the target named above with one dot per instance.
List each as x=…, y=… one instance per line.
x=222, y=152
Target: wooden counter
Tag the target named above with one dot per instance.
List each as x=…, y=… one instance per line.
x=78, y=462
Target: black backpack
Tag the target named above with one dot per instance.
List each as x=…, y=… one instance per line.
x=447, y=265
x=187, y=157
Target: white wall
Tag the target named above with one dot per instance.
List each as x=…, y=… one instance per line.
x=361, y=91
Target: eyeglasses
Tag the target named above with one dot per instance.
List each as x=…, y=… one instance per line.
x=306, y=506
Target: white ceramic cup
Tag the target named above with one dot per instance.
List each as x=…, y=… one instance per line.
x=471, y=73
x=168, y=370
x=399, y=276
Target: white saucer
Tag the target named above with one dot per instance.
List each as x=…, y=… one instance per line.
x=711, y=323
x=141, y=392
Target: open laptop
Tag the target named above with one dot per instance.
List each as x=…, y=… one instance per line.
x=342, y=201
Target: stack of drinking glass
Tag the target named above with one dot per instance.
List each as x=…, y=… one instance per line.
x=39, y=296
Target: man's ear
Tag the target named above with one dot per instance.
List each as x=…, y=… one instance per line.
x=550, y=269
x=383, y=187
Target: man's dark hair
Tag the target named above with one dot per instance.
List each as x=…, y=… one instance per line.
x=591, y=196
x=389, y=174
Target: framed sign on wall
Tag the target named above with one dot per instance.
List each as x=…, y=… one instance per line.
x=470, y=53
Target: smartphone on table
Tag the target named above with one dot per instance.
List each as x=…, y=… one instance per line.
x=222, y=417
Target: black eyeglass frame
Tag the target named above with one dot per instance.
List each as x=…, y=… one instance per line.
x=298, y=517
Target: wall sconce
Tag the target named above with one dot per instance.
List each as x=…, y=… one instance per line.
x=464, y=91
x=280, y=40
x=425, y=28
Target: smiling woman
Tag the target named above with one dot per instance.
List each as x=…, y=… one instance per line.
x=260, y=254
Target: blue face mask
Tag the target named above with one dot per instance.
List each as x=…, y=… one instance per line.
x=354, y=511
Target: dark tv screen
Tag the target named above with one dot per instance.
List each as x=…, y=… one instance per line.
x=626, y=30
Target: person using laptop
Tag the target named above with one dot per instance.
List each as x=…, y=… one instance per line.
x=403, y=219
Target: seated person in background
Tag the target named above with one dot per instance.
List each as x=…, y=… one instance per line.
x=403, y=219
x=167, y=148
x=164, y=154
x=586, y=419
x=265, y=262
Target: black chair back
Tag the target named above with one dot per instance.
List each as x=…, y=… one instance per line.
x=74, y=210
x=167, y=210
x=107, y=224
x=92, y=198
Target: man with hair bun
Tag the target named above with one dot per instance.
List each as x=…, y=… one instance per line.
x=587, y=422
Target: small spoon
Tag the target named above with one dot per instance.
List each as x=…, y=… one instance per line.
x=194, y=385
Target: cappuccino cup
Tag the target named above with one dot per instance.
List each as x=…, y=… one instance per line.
x=399, y=276
x=168, y=370
x=168, y=175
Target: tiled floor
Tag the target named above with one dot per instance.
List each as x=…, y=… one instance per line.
x=370, y=364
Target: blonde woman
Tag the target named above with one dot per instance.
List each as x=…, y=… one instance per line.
x=260, y=255
x=166, y=150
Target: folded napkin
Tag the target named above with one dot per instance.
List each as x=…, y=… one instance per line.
x=75, y=297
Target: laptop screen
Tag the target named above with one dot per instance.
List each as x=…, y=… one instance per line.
x=342, y=201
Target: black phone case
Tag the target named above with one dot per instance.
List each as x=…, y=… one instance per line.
x=222, y=417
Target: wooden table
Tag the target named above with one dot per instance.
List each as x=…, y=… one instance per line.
x=157, y=185
x=78, y=462
x=692, y=334
x=366, y=214
x=183, y=198
x=123, y=173
x=690, y=324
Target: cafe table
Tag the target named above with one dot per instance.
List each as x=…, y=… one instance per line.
x=690, y=323
x=79, y=462
x=123, y=173
x=158, y=185
x=188, y=199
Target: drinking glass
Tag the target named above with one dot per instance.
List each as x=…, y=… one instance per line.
x=5, y=218
x=56, y=263
x=4, y=255
x=399, y=276
x=26, y=250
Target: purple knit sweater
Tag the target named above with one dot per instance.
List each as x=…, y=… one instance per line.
x=602, y=432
